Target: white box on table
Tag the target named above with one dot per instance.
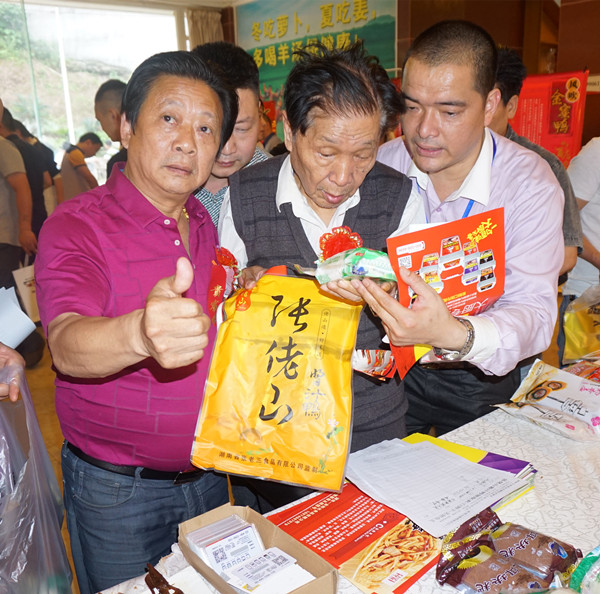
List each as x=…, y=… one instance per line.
x=326, y=575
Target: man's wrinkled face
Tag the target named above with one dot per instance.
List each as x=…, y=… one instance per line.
x=332, y=159
x=176, y=138
x=445, y=117
x=240, y=147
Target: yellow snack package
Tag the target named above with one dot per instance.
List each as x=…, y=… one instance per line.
x=278, y=399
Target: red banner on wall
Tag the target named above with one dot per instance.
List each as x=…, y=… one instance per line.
x=550, y=113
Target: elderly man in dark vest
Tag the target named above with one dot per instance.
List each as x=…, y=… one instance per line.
x=339, y=105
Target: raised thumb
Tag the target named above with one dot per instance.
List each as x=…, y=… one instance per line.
x=184, y=275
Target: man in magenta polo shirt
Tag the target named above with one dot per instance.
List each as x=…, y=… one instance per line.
x=122, y=278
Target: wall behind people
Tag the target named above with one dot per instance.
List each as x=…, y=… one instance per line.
x=414, y=16
x=579, y=48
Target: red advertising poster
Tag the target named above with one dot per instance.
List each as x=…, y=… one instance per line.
x=462, y=260
x=551, y=110
x=271, y=111
x=378, y=549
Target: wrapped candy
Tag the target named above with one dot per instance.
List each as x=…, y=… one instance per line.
x=343, y=257
x=356, y=263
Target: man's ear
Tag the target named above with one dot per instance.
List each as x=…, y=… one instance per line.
x=126, y=131
x=491, y=104
x=288, y=135
x=511, y=106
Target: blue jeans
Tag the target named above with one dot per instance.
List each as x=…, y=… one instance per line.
x=118, y=524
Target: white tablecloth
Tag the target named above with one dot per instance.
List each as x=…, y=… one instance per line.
x=565, y=502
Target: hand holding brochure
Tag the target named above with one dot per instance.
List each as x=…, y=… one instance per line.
x=462, y=260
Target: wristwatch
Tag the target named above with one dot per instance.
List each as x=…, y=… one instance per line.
x=446, y=355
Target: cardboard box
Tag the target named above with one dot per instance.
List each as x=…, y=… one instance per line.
x=326, y=575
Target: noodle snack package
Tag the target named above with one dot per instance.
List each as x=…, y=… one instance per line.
x=559, y=401
x=588, y=367
x=485, y=555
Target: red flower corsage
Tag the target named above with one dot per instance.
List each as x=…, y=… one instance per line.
x=227, y=259
x=339, y=240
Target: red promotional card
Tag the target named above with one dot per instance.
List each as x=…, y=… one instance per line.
x=378, y=549
x=462, y=260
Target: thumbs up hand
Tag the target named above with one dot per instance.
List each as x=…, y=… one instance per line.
x=174, y=329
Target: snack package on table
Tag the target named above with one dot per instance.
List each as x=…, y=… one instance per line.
x=588, y=367
x=559, y=401
x=485, y=555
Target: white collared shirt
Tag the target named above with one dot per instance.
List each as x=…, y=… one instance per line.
x=521, y=322
x=287, y=192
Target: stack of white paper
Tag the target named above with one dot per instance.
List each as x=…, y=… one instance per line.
x=436, y=489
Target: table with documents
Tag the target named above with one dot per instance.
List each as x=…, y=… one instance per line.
x=565, y=502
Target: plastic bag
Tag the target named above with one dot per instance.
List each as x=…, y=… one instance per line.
x=582, y=325
x=32, y=556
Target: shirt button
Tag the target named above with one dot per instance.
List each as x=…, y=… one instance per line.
x=167, y=221
x=177, y=242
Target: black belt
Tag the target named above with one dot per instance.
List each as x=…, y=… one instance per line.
x=146, y=473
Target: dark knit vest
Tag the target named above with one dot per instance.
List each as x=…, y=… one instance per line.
x=274, y=237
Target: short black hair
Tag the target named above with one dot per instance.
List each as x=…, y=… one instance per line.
x=510, y=73
x=344, y=82
x=20, y=126
x=92, y=136
x=8, y=121
x=186, y=65
x=236, y=64
x=112, y=90
x=461, y=43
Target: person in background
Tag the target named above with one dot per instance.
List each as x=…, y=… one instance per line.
x=584, y=173
x=122, y=283
x=47, y=154
x=107, y=107
x=240, y=151
x=77, y=178
x=338, y=106
x=17, y=237
x=510, y=74
x=458, y=166
x=270, y=141
x=34, y=169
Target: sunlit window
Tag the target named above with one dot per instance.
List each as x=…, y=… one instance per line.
x=54, y=58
